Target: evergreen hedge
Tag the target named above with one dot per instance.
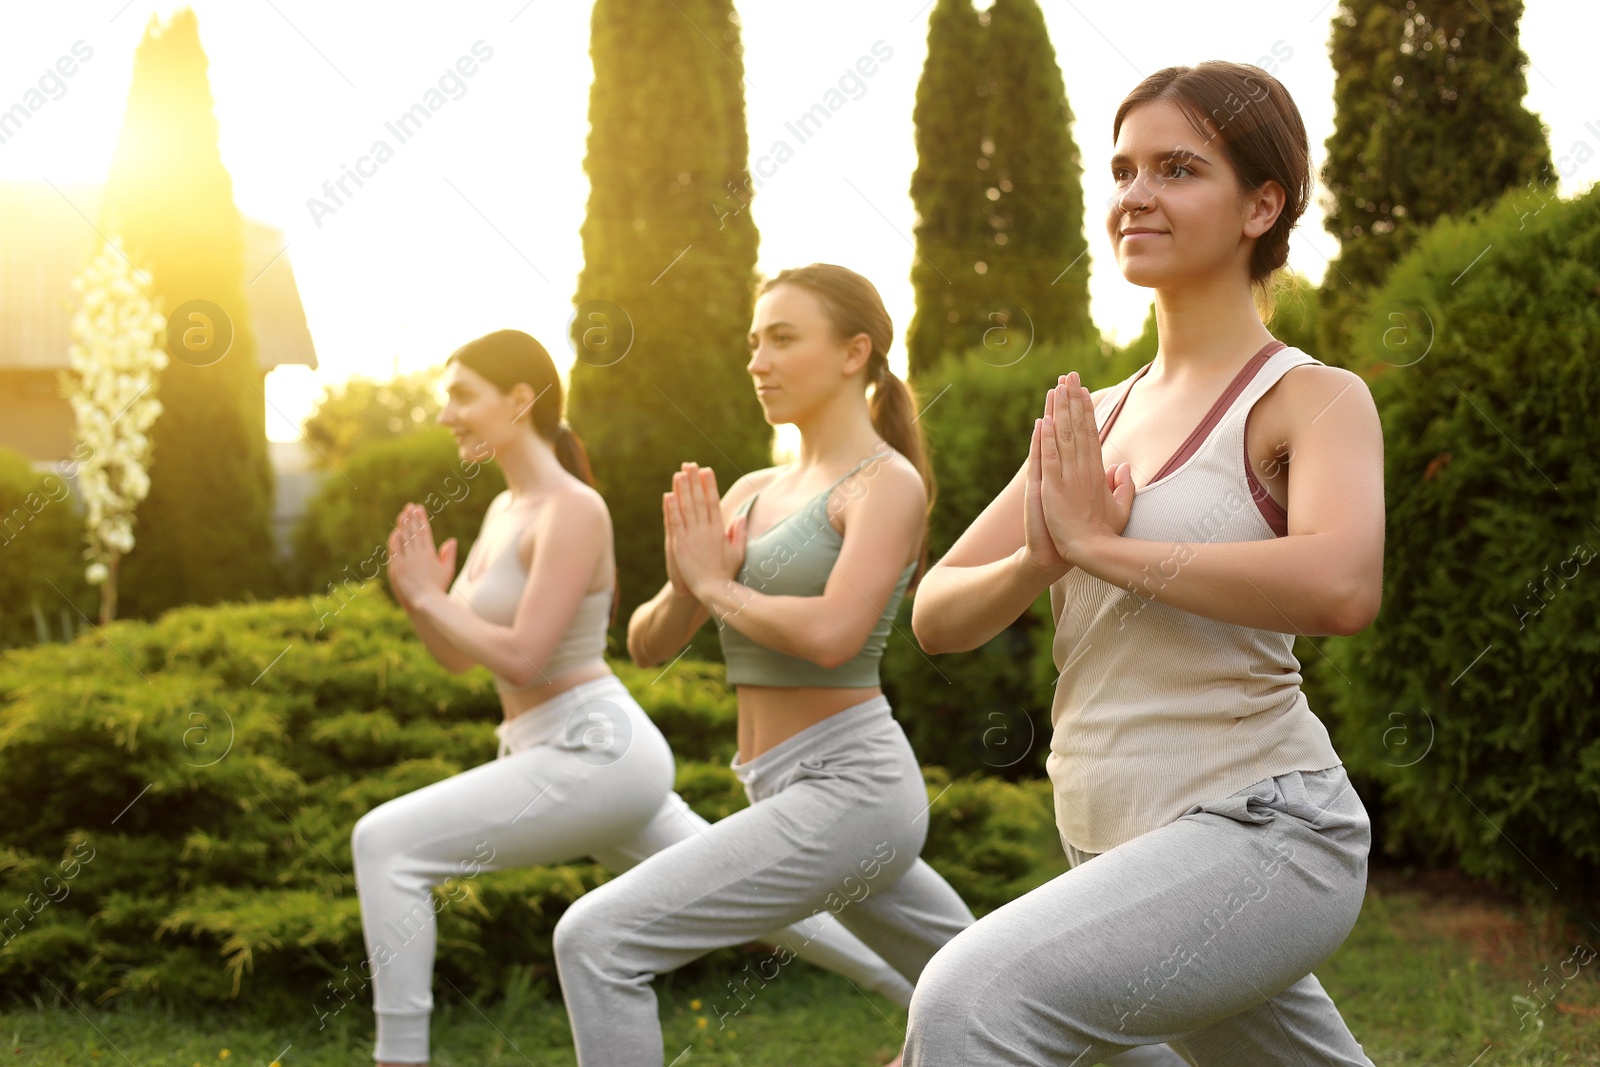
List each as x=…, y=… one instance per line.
x=43, y=593
x=1470, y=702
x=337, y=542
x=180, y=796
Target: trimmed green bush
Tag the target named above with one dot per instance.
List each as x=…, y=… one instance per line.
x=41, y=545
x=1472, y=699
x=180, y=797
x=341, y=542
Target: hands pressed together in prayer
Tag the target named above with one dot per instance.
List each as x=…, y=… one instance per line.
x=1071, y=502
x=700, y=553
x=416, y=568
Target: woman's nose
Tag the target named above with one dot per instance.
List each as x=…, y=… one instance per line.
x=1136, y=197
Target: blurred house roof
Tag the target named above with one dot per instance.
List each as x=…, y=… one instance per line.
x=47, y=235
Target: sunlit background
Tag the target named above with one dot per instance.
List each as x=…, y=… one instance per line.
x=473, y=225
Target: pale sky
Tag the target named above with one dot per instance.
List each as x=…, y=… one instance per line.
x=472, y=226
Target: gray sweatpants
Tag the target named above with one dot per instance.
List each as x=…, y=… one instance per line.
x=1201, y=934
x=584, y=773
x=836, y=823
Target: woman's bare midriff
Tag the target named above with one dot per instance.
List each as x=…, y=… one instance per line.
x=771, y=714
x=520, y=701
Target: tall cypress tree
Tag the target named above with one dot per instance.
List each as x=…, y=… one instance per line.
x=954, y=161
x=667, y=289
x=1429, y=123
x=1039, y=263
x=998, y=189
x=204, y=532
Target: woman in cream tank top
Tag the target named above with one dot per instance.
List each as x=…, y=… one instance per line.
x=582, y=771
x=1188, y=523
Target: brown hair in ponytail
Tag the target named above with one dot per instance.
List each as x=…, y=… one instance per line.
x=507, y=357
x=853, y=307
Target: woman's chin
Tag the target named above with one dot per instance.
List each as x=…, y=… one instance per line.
x=774, y=413
x=1142, y=274
x=473, y=451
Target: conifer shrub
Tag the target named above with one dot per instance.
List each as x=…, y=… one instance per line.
x=1469, y=707
x=180, y=794
x=43, y=592
x=340, y=544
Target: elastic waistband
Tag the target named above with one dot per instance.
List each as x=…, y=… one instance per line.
x=862, y=718
x=548, y=719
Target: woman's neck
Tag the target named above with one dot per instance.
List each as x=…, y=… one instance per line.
x=838, y=435
x=1205, y=331
x=531, y=469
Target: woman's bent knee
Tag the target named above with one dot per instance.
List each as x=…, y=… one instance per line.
x=374, y=838
x=582, y=932
x=945, y=993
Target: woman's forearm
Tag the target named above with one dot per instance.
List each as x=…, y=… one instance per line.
x=958, y=609
x=438, y=645
x=1296, y=584
x=799, y=626
x=661, y=626
x=485, y=642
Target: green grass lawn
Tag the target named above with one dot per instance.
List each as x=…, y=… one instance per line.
x=1429, y=976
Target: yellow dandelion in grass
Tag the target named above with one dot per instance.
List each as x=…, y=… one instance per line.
x=701, y=1022
x=224, y=1054
x=732, y=1034
x=694, y=1005
x=274, y=1063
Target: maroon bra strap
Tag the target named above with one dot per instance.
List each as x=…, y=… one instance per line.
x=1200, y=432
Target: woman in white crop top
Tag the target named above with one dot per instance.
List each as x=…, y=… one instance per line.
x=1188, y=523
x=582, y=770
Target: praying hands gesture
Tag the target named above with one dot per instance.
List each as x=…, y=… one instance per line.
x=415, y=566
x=699, y=551
x=1070, y=500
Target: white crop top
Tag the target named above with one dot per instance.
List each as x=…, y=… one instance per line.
x=496, y=593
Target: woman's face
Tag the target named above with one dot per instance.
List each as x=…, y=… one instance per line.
x=482, y=417
x=796, y=360
x=1185, y=194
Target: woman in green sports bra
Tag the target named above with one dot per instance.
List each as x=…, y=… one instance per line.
x=804, y=589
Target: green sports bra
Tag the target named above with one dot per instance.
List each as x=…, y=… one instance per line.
x=794, y=558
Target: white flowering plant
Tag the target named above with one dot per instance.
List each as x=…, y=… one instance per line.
x=116, y=356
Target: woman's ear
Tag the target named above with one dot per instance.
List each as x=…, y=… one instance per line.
x=1265, y=204
x=522, y=397
x=857, y=352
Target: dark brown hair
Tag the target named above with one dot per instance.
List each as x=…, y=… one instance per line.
x=507, y=357
x=853, y=306
x=1250, y=115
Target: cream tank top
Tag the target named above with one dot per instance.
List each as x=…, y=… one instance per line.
x=495, y=593
x=1158, y=709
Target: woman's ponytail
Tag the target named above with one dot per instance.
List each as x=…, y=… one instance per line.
x=570, y=451
x=893, y=407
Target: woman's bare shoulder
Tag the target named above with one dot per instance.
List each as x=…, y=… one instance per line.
x=1304, y=392
x=747, y=485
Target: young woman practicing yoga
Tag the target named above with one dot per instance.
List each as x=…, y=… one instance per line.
x=1219, y=852
x=804, y=590
x=582, y=771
